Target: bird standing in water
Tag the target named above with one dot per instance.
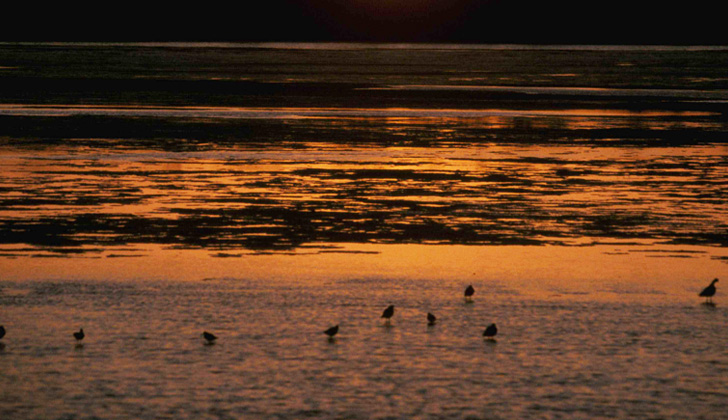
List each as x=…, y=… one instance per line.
x=431, y=319
x=79, y=335
x=331, y=332
x=709, y=292
x=490, y=331
x=387, y=314
x=469, y=292
x=209, y=337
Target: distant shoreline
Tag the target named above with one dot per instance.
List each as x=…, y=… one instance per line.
x=349, y=45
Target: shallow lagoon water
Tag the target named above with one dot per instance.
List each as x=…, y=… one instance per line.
x=558, y=354
x=267, y=192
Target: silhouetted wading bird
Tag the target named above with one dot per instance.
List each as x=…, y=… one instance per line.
x=469, y=292
x=709, y=292
x=2, y=331
x=331, y=332
x=79, y=335
x=387, y=314
x=209, y=337
x=490, y=331
x=431, y=319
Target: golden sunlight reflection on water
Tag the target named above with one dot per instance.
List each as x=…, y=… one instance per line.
x=266, y=193
x=598, y=272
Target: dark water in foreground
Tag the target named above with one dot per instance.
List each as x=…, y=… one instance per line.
x=267, y=192
x=557, y=357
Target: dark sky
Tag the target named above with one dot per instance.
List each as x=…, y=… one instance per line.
x=482, y=21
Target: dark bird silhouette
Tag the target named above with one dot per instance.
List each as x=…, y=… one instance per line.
x=331, y=332
x=2, y=331
x=709, y=292
x=79, y=335
x=209, y=337
x=431, y=319
x=387, y=314
x=490, y=331
x=469, y=292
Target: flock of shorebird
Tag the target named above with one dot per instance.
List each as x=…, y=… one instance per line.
x=388, y=313
x=489, y=333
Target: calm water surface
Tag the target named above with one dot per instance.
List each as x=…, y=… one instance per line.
x=265, y=192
